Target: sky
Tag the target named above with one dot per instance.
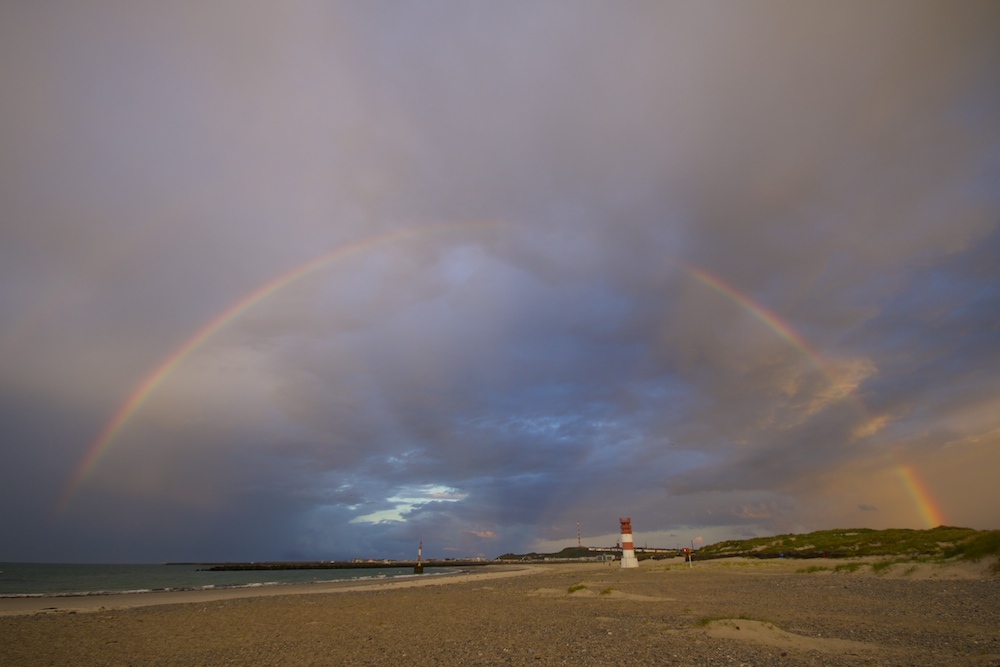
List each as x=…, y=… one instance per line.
x=320, y=280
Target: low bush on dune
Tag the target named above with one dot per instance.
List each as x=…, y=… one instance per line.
x=984, y=544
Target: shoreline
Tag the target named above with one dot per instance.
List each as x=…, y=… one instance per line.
x=914, y=570
x=18, y=606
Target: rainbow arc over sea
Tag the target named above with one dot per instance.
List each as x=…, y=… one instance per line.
x=145, y=388
x=148, y=385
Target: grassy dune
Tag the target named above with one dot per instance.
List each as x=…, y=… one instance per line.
x=940, y=543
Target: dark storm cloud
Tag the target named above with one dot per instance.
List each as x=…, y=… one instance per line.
x=720, y=268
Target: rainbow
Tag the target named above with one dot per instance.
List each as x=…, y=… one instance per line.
x=142, y=391
x=922, y=499
x=772, y=322
x=929, y=512
x=145, y=388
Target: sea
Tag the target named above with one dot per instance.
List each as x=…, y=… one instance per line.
x=43, y=579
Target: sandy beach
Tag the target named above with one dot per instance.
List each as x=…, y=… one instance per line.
x=728, y=612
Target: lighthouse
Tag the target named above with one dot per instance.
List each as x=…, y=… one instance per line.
x=628, y=550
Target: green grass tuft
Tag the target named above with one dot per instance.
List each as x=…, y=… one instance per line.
x=847, y=567
x=574, y=588
x=883, y=565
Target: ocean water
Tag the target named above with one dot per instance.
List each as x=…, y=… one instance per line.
x=41, y=579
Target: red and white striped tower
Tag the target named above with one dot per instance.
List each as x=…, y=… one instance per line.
x=419, y=567
x=628, y=550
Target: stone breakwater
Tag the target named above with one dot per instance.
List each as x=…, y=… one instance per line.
x=657, y=614
x=336, y=565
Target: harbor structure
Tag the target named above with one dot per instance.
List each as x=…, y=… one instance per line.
x=628, y=548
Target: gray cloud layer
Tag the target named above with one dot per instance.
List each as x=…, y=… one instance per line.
x=723, y=268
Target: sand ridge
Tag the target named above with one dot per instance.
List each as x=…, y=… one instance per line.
x=766, y=633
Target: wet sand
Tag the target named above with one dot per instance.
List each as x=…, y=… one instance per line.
x=718, y=612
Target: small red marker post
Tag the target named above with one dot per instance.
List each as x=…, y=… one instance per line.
x=419, y=567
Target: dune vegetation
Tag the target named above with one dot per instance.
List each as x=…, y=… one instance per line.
x=942, y=542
